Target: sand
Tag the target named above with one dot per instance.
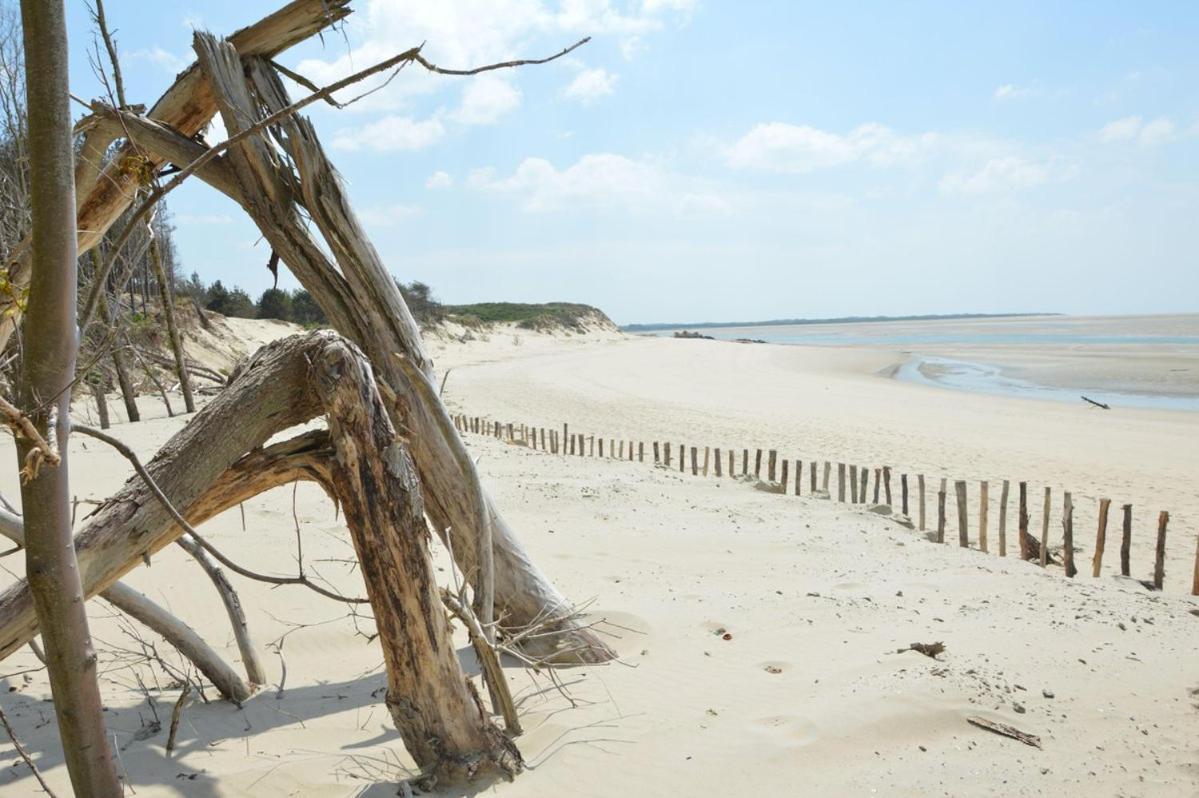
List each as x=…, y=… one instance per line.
x=808, y=694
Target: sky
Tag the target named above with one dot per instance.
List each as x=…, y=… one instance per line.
x=701, y=160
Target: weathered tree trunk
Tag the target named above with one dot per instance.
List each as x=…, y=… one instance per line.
x=128, y=395
x=362, y=302
x=168, y=310
x=95, y=381
x=51, y=346
x=200, y=470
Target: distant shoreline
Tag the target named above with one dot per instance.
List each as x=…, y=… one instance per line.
x=838, y=320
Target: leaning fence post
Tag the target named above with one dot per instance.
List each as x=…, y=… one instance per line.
x=841, y=482
x=1045, y=532
x=1100, y=538
x=1003, y=519
x=1068, y=535
x=1159, y=563
x=959, y=487
x=982, y=515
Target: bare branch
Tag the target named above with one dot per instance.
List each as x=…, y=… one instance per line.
x=12, y=735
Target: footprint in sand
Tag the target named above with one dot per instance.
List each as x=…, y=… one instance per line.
x=775, y=667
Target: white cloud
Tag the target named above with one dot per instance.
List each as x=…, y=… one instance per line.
x=1135, y=129
x=391, y=133
x=1010, y=91
x=600, y=180
x=386, y=215
x=485, y=99
x=787, y=148
x=999, y=174
x=160, y=58
x=591, y=84
x=439, y=179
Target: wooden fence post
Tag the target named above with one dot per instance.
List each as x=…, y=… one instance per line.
x=853, y=484
x=824, y=483
x=772, y=464
x=657, y=453
x=758, y=465
x=707, y=454
x=601, y=447
x=1195, y=581
x=717, y=461
x=1003, y=519
x=812, y=477
x=1045, y=532
x=920, y=490
x=745, y=462
x=983, y=487
x=878, y=480
x=783, y=478
x=798, y=475
x=640, y=451
x=1025, y=551
x=666, y=445
x=941, y=513
x=1159, y=562
x=959, y=488
x=841, y=482
x=621, y=455
x=1068, y=535
x=887, y=483
x=732, y=464
x=865, y=474
x=1126, y=541
x=683, y=458
x=694, y=461
x=1100, y=538
x=903, y=489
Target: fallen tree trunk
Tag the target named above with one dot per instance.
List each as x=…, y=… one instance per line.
x=371, y=475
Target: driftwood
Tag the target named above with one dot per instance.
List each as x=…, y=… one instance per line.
x=286, y=383
x=1005, y=730
x=1096, y=404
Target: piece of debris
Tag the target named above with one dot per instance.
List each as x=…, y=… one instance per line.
x=1097, y=404
x=1005, y=730
x=927, y=649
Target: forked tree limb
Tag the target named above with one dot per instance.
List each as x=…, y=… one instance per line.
x=371, y=474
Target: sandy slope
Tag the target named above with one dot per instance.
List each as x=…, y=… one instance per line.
x=807, y=697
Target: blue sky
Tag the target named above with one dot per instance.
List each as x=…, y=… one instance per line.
x=703, y=160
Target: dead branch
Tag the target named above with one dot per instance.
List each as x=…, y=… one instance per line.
x=128, y=454
x=16, y=743
x=23, y=427
x=1005, y=730
x=177, y=715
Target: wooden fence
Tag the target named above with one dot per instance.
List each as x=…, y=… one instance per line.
x=778, y=474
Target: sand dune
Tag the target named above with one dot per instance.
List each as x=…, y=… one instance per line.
x=808, y=694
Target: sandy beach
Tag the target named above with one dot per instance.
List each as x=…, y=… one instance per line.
x=758, y=633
